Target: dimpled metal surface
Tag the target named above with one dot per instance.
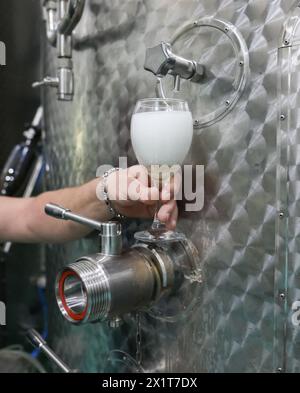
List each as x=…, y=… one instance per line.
x=288, y=196
x=232, y=329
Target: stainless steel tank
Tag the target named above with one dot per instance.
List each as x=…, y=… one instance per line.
x=240, y=323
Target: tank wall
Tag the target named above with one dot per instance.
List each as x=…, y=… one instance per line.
x=232, y=329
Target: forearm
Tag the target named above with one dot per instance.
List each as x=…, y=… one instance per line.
x=24, y=219
x=29, y=223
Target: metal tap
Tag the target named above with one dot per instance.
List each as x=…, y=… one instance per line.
x=62, y=16
x=160, y=60
x=110, y=232
x=115, y=282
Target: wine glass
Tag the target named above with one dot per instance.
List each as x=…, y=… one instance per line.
x=161, y=135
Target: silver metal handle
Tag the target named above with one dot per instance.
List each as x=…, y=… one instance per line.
x=62, y=213
x=110, y=232
x=38, y=342
x=47, y=81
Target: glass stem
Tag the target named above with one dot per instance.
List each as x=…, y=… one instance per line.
x=157, y=225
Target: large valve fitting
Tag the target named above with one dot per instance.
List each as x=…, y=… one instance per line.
x=103, y=287
x=161, y=278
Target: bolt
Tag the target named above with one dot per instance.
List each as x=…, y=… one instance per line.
x=282, y=296
x=282, y=117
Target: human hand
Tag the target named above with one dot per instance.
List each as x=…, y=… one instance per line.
x=132, y=196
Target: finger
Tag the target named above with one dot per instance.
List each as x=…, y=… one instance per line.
x=149, y=195
x=171, y=224
x=139, y=172
x=172, y=188
x=137, y=191
x=127, y=185
x=177, y=183
x=165, y=212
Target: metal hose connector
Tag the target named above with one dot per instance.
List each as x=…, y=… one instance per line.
x=83, y=293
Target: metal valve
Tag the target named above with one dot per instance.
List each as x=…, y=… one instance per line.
x=62, y=16
x=63, y=82
x=110, y=232
x=114, y=282
x=160, y=60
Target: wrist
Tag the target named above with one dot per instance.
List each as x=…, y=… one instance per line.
x=103, y=193
x=96, y=204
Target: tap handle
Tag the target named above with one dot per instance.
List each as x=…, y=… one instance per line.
x=38, y=342
x=62, y=213
x=110, y=232
x=35, y=338
x=158, y=60
x=56, y=211
x=47, y=81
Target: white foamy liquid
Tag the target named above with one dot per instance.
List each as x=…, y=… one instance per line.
x=161, y=137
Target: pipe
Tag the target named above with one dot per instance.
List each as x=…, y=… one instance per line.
x=51, y=20
x=38, y=342
x=72, y=16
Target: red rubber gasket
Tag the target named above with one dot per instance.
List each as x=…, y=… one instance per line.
x=73, y=315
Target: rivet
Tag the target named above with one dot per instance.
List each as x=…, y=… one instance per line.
x=282, y=117
x=281, y=214
x=226, y=29
x=279, y=370
x=282, y=296
x=241, y=63
x=227, y=102
x=286, y=42
x=196, y=122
